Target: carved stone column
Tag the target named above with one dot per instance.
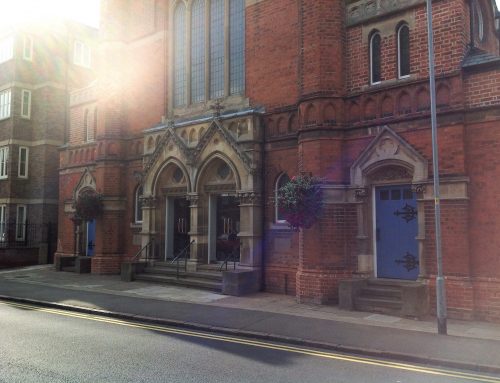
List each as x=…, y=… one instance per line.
x=148, y=220
x=365, y=258
x=419, y=189
x=194, y=231
x=250, y=233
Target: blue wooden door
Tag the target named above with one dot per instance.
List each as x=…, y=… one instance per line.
x=90, y=237
x=396, y=231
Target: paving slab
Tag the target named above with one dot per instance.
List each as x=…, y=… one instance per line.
x=472, y=345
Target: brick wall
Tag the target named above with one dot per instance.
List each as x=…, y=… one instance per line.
x=482, y=89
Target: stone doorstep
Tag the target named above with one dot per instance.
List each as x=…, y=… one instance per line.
x=406, y=299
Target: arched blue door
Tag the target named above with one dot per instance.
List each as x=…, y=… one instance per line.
x=396, y=230
x=90, y=238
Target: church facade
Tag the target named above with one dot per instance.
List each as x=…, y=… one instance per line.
x=204, y=108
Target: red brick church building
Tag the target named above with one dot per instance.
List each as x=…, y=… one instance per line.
x=204, y=108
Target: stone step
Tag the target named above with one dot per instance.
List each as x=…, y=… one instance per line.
x=378, y=305
x=381, y=292
x=186, y=282
x=169, y=271
x=391, y=283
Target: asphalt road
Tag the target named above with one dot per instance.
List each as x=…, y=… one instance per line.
x=47, y=345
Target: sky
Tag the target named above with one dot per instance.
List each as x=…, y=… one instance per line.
x=84, y=11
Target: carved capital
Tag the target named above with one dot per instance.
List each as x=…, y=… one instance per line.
x=419, y=189
x=250, y=198
x=361, y=194
x=148, y=202
x=193, y=199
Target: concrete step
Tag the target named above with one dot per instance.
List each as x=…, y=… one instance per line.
x=186, y=282
x=378, y=305
x=169, y=271
x=381, y=292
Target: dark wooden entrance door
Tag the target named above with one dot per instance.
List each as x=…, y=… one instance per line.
x=181, y=224
x=396, y=232
x=228, y=226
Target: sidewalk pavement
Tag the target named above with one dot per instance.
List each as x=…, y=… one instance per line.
x=469, y=345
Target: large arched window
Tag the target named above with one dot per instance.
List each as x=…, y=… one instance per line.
x=198, y=51
x=282, y=180
x=217, y=51
x=403, y=34
x=138, y=205
x=216, y=48
x=180, y=55
x=375, y=62
x=237, y=46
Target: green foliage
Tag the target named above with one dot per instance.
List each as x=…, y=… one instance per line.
x=301, y=201
x=88, y=206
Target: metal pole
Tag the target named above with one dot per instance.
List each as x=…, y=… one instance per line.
x=440, y=286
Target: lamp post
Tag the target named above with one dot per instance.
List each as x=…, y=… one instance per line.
x=440, y=286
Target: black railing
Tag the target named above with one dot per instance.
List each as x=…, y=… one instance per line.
x=183, y=254
x=231, y=257
x=146, y=253
x=16, y=235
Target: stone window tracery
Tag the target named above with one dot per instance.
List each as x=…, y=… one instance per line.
x=208, y=50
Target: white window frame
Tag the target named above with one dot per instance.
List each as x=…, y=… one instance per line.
x=399, y=51
x=21, y=226
x=6, y=49
x=138, y=204
x=19, y=167
x=5, y=103
x=371, y=58
x=28, y=48
x=4, y=162
x=26, y=108
x=276, y=188
x=81, y=54
x=3, y=223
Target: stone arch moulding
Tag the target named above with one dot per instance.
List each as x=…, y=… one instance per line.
x=151, y=183
x=87, y=181
x=388, y=148
x=208, y=161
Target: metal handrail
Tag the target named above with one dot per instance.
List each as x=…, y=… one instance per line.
x=232, y=255
x=182, y=254
x=148, y=248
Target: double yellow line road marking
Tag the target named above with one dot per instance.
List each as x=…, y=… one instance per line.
x=263, y=344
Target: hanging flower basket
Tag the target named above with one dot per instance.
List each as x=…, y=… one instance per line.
x=88, y=206
x=300, y=201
